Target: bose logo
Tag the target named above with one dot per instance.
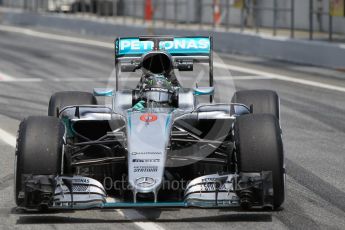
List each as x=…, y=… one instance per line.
x=146, y=160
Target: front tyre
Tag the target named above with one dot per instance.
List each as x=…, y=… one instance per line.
x=39, y=151
x=259, y=147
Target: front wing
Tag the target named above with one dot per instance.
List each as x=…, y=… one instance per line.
x=210, y=191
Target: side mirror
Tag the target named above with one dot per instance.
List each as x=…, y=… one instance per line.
x=184, y=65
x=203, y=91
x=103, y=92
x=129, y=67
x=238, y=109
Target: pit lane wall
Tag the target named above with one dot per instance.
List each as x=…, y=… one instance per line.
x=318, y=53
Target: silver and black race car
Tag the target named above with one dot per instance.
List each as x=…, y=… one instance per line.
x=156, y=144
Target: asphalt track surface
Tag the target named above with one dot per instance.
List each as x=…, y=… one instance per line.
x=312, y=116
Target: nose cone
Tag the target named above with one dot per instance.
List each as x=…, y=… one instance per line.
x=147, y=141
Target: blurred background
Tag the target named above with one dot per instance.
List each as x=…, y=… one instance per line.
x=311, y=19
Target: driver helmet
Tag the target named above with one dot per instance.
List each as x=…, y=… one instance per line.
x=157, y=88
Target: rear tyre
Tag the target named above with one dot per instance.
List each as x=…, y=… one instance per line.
x=39, y=150
x=60, y=100
x=259, y=147
x=263, y=101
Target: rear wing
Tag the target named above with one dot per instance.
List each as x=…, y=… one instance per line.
x=182, y=49
x=200, y=47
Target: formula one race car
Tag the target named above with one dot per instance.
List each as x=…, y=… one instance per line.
x=156, y=144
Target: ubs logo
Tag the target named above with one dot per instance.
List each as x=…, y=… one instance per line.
x=148, y=117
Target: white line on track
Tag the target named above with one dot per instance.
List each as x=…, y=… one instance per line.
x=227, y=78
x=20, y=79
x=89, y=42
x=5, y=77
x=55, y=37
x=133, y=214
x=280, y=77
x=8, y=138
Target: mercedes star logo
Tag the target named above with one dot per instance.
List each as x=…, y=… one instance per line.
x=145, y=182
